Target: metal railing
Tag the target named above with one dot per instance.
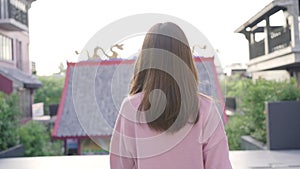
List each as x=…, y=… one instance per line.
x=11, y=11
x=257, y=49
x=17, y=14
x=279, y=38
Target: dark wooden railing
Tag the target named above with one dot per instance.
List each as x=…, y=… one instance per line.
x=17, y=14
x=13, y=15
x=257, y=49
x=280, y=37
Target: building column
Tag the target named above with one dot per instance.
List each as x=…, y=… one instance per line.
x=267, y=31
x=78, y=146
x=31, y=101
x=251, y=40
x=297, y=76
x=65, y=147
x=292, y=16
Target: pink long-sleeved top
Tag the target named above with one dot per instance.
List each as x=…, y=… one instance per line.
x=196, y=146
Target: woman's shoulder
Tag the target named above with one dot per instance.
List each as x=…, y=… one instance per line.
x=206, y=104
x=132, y=102
x=204, y=98
x=133, y=99
x=128, y=108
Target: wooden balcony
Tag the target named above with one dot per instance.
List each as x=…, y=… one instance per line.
x=257, y=49
x=14, y=15
x=279, y=38
x=279, y=46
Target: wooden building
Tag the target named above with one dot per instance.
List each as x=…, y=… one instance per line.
x=274, y=44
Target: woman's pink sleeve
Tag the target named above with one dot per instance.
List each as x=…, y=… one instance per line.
x=121, y=146
x=216, y=151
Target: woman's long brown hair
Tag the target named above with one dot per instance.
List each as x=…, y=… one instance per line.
x=166, y=47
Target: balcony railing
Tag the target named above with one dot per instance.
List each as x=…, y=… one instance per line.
x=257, y=49
x=280, y=38
x=18, y=14
x=13, y=15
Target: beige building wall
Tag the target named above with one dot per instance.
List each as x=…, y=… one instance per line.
x=278, y=75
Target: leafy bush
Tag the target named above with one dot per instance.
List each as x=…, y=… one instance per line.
x=237, y=127
x=260, y=92
x=36, y=140
x=50, y=92
x=9, y=120
x=251, y=98
x=34, y=136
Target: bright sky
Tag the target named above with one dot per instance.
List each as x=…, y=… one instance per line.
x=59, y=27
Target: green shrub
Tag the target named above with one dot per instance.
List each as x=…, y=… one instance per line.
x=237, y=127
x=34, y=136
x=251, y=98
x=9, y=120
x=260, y=92
x=50, y=92
x=36, y=140
x=235, y=86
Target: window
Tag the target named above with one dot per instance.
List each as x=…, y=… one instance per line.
x=6, y=48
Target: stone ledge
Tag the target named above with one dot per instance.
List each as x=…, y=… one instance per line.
x=249, y=143
x=16, y=151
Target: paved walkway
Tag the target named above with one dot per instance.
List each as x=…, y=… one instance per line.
x=240, y=160
x=265, y=159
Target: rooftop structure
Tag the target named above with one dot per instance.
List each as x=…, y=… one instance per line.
x=273, y=36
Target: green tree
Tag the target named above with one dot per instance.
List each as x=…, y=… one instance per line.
x=36, y=140
x=34, y=136
x=9, y=120
x=61, y=68
x=50, y=92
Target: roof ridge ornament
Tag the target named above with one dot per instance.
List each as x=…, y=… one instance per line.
x=95, y=55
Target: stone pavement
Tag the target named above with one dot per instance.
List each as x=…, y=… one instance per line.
x=265, y=159
x=256, y=159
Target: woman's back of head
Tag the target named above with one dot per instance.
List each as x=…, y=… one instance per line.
x=166, y=74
